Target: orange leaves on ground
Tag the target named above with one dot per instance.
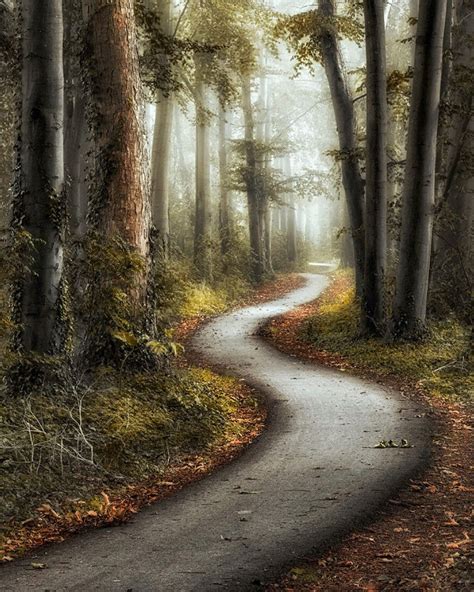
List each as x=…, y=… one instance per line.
x=117, y=506
x=421, y=542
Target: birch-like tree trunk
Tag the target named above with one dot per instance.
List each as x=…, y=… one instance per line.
x=373, y=301
x=256, y=255
x=409, y=313
x=39, y=208
x=346, y=129
x=203, y=221
x=291, y=230
x=161, y=152
x=225, y=230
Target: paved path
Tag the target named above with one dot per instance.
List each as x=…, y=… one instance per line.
x=311, y=477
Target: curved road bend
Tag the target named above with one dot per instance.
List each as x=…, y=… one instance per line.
x=311, y=477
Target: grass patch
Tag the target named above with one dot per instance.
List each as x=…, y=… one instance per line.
x=120, y=430
x=441, y=365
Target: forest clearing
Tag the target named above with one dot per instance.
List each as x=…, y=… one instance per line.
x=236, y=296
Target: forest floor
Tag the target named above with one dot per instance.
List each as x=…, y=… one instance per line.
x=48, y=504
x=422, y=540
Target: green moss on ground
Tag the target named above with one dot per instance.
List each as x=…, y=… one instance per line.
x=119, y=429
x=442, y=364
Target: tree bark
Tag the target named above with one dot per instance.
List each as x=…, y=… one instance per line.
x=162, y=148
x=409, y=312
x=225, y=231
x=203, y=222
x=256, y=255
x=39, y=209
x=373, y=302
x=121, y=207
x=75, y=132
x=291, y=232
x=346, y=129
x=453, y=266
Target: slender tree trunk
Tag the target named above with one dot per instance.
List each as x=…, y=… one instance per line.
x=346, y=128
x=267, y=166
x=262, y=164
x=291, y=232
x=203, y=222
x=256, y=256
x=412, y=282
x=39, y=208
x=453, y=266
x=373, y=302
x=162, y=148
x=75, y=125
x=225, y=230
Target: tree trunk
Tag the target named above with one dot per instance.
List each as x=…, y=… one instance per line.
x=119, y=209
x=409, y=313
x=162, y=148
x=256, y=255
x=39, y=208
x=373, y=302
x=203, y=222
x=225, y=230
x=453, y=266
x=75, y=125
x=346, y=129
x=291, y=233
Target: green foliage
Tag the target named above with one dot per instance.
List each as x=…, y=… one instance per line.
x=109, y=272
x=442, y=364
x=304, y=32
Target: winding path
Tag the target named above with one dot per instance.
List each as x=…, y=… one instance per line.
x=311, y=477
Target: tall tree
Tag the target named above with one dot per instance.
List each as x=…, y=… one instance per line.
x=376, y=170
x=225, y=230
x=203, y=221
x=256, y=253
x=39, y=204
x=346, y=129
x=162, y=141
x=291, y=230
x=453, y=267
x=75, y=124
x=409, y=312
x=119, y=212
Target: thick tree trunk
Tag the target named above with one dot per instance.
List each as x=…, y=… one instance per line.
x=121, y=206
x=39, y=209
x=203, y=222
x=346, y=129
x=373, y=302
x=256, y=255
x=225, y=230
x=412, y=282
x=119, y=217
x=160, y=159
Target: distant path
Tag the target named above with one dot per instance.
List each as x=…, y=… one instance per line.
x=310, y=478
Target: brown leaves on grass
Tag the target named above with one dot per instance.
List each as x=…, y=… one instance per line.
x=115, y=506
x=422, y=542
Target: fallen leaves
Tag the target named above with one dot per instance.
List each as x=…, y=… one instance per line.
x=421, y=542
x=113, y=507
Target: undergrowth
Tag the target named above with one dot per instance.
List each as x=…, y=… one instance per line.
x=442, y=365
x=119, y=430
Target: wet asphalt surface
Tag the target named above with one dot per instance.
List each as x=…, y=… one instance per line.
x=311, y=477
